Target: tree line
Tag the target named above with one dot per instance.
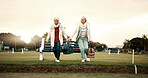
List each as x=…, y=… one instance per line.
x=14, y=41
x=139, y=44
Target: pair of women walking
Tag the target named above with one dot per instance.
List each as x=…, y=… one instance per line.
x=82, y=33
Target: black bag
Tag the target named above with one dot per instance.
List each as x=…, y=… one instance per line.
x=67, y=48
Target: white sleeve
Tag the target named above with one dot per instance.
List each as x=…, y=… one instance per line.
x=49, y=34
x=75, y=31
x=89, y=34
x=64, y=33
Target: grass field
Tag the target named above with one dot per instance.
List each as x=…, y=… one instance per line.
x=70, y=75
x=101, y=58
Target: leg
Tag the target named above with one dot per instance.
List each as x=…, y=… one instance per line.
x=81, y=46
x=55, y=49
x=86, y=48
x=85, y=44
x=58, y=50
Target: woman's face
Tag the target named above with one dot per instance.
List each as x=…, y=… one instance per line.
x=83, y=21
x=56, y=22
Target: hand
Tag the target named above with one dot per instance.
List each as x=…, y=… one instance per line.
x=46, y=40
x=66, y=39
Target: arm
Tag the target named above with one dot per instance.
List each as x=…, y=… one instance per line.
x=64, y=33
x=89, y=33
x=75, y=31
x=48, y=36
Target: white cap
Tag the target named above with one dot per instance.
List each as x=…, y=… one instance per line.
x=56, y=18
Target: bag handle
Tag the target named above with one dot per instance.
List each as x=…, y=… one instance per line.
x=67, y=42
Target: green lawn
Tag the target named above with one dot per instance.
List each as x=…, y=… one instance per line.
x=71, y=75
x=101, y=58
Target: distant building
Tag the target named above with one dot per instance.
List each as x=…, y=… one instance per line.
x=119, y=46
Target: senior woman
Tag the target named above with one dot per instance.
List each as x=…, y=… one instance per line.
x=83, y=36
x=56, y=37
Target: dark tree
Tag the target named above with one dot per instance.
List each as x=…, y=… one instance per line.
x=35, y=43
x=11, y=40
x=138, y=44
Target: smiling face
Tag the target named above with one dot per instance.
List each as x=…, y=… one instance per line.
x=56, y=22
x=83, y=20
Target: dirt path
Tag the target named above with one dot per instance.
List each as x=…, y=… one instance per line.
x=73, y=69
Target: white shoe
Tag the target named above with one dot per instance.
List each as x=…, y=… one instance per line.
x=87, y=59
x=57, y=61
x=83, y=60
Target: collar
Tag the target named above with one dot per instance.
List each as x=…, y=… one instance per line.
x=55, y=26
x=83, y=25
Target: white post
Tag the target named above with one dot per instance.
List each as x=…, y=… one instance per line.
x=22, y=51
x=41, y=48
x=135, y=69
x=109, y=52
x=12, y=50
x=133, y=57
x=118, y=51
